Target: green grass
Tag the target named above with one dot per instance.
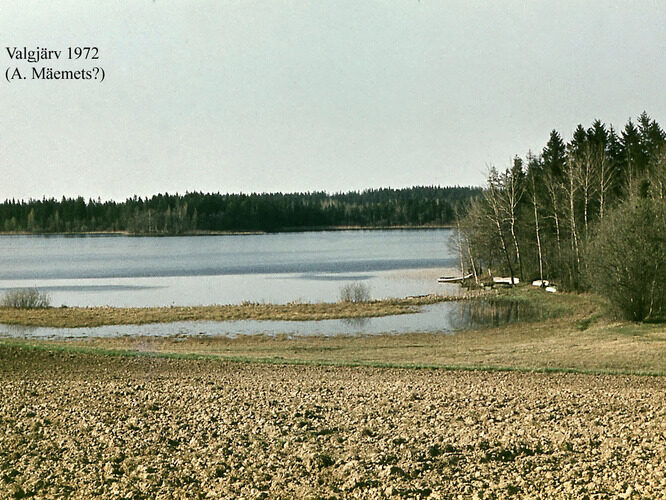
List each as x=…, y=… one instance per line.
x=95, y=351
x=574, y=335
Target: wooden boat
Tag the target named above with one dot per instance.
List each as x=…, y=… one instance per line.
x=453, y=279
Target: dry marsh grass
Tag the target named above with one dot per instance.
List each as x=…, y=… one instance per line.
x=25, y=298
x=72, y=317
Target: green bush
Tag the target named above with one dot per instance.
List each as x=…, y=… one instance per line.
x=626, y=259
x=26, y=298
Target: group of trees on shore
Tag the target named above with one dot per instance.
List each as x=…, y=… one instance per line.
x=588, y=214
x=202, y=212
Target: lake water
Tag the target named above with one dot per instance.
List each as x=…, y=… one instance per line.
x=444, y=317
x=278, y=268
x=199, y=270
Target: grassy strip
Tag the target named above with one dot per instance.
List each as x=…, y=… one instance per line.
x=81, y=350
x=571, y=334
x=75, y=317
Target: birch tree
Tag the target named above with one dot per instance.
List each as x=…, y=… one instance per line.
x=605, y=177
x=585, y=174
x=512, y=192
x=495, y=214
x=535, y=205
x=554, y=159
x=570, y=189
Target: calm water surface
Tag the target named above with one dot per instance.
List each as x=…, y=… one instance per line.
x=277, y=268
x=445, y=317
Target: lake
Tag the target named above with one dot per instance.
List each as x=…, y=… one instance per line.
x=129, y=271
x=443, y=317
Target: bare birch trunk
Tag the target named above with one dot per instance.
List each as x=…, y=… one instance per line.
x=571, y=194
x=512, y=196
x=460, y=247
x=515, y=243
x=586, y=173
x=605, y=179
x=552, y=191
x=471, y=260
x=492, y=197
x=536, y=228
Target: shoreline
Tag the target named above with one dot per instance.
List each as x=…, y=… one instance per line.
x=308, y=229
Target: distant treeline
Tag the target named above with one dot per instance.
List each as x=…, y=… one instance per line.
x=202, y=212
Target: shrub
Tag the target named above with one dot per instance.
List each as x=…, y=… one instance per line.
x=355, y=292
x=626, y=259
x=26, y=298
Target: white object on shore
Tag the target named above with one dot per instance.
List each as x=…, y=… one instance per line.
x=551, y=289
x=453, y=279
x=541, y=283
x=505, y=281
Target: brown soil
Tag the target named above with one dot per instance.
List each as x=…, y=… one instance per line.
x=89, y=426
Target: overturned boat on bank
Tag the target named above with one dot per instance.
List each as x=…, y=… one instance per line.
x=454, y=279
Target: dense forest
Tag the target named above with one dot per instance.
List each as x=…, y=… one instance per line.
x=588, y=213
x=203, y=212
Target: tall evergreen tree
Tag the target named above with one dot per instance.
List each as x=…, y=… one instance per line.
x=632, y=157
x=554, y=155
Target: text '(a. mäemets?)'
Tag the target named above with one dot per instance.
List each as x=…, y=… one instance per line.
x=19, y=56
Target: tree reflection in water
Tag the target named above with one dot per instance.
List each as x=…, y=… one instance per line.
x=473, y=314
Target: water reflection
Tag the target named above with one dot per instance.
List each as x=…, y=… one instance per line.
x=445, y=317
x=474, y=314
x=356, y=322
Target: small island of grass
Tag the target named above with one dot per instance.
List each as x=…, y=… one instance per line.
x=75, y=317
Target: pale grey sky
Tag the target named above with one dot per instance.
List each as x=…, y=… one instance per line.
x=314, y=95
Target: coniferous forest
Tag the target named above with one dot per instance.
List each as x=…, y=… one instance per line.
x=172, y=214
x=589, y=213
